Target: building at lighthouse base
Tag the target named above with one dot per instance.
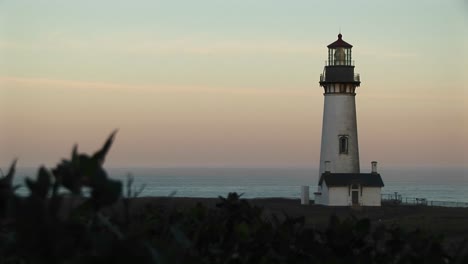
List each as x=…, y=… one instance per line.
x=349, y=189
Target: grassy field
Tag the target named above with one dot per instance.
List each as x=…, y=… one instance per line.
x=452, y=223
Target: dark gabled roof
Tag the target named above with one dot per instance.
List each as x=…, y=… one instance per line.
x=345, y=179
x=340, y=43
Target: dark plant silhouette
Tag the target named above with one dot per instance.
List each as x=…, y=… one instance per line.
x=57, y=223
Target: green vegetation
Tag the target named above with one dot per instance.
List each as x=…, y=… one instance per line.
x=53, y=226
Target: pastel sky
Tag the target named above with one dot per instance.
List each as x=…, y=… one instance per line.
x=229, y=83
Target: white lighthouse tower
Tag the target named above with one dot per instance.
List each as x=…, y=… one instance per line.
x=341, y=182
x=339, y=128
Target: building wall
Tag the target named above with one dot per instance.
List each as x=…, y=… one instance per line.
x=339, y=118
x=371, y=196
x=338, y=196
x=341, y=196
x=323, y=198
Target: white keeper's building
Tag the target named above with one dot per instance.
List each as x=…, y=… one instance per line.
x=341, y=183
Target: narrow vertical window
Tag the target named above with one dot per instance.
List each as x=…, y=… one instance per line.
x=343, y=142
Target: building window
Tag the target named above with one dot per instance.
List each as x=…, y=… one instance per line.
x=343, y=142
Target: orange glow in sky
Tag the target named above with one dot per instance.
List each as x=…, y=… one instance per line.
x=211, y=83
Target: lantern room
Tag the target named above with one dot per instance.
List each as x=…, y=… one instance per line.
x=339, y=53
x=339, y=69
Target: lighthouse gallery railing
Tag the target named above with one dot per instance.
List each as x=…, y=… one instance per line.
x=356, y=78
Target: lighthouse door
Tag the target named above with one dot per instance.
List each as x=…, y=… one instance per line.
x=355, y=197
x=355, y=194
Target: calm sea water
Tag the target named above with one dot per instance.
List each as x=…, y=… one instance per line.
x=440, y=184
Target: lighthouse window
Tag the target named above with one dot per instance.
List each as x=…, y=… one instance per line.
x=343, y=141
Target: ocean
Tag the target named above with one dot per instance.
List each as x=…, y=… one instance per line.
x=432, y=183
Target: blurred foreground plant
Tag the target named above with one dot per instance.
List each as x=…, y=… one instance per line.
x=53, y=226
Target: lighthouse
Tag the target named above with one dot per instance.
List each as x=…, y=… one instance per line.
x=339, y=128
x=341, y=183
